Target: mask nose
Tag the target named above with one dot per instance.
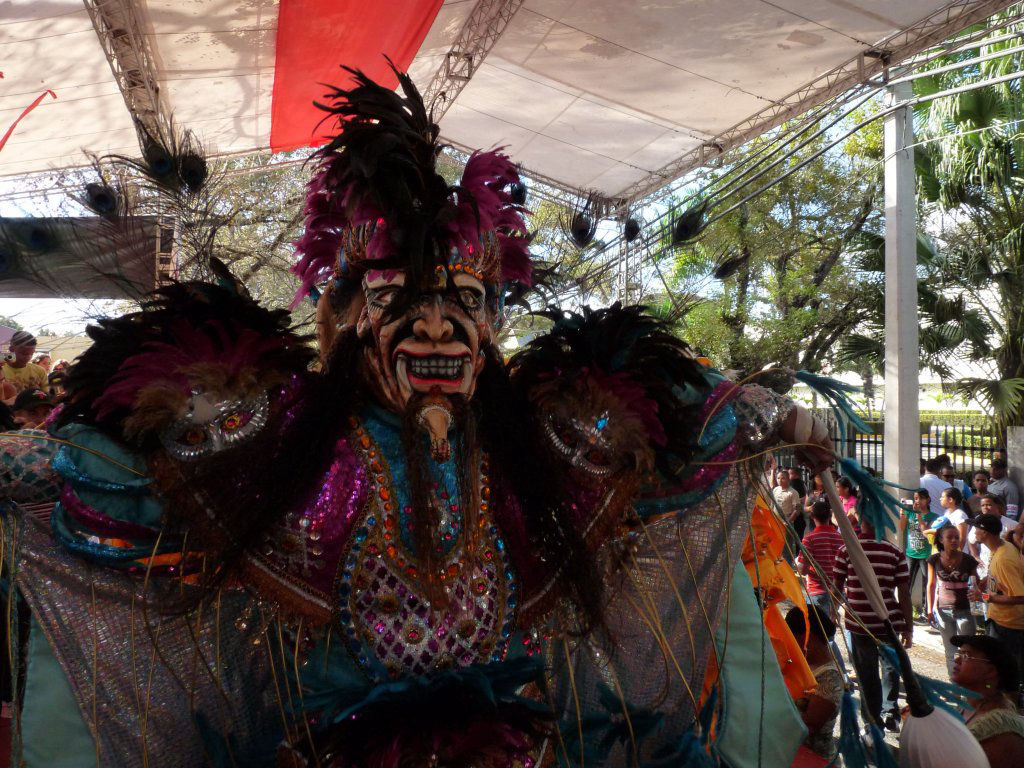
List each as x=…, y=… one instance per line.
x=431, y=324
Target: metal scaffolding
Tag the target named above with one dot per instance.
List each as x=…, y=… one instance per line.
x=119, y=29
x=860, y=69
x=481, y=31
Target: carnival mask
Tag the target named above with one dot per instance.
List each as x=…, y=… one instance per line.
x=432, y=351
x=210, y=425
x=591, y=421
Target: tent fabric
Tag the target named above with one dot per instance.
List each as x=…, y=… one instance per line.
x=355, y=32
x=617, y=97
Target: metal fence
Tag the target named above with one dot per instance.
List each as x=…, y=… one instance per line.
x=969, y=447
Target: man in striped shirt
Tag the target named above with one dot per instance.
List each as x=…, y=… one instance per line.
x=893, y=574
x=820, y=548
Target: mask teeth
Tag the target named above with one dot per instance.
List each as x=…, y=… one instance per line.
x=436, y=367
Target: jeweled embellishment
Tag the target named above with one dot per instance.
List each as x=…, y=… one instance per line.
x=388, y=616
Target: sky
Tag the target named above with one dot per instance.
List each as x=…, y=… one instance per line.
x=60, y=317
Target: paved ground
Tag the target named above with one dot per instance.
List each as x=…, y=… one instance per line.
x=926, y=656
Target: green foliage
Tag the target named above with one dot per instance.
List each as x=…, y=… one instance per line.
x=970, y=182
x=10, y=322
x=868, y=144
x=257, y=246
x=789, y=289
x=1001, y=397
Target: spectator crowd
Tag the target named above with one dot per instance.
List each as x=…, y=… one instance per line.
x=960, y=552
x=31, y=385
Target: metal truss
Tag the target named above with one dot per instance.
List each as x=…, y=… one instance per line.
x=119, y=29
x=481, y=31
x=860, y=69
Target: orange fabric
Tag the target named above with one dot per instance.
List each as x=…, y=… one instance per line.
x=800, y=681
x=315, y=37
x=711, y=678
x=767, y=569
x=762, y=555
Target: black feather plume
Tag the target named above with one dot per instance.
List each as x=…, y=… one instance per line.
x=382, y=162
x=192, y=170
x=729, y=263
x=519, y=193
x=689, y=224
x=579, y=223
x=619, y=340
x=101, y=199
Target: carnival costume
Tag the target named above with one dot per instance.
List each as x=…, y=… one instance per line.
x=420, y=555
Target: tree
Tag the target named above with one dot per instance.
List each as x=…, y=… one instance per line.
x=10, y=322
x=971, y=182
x=788, y=292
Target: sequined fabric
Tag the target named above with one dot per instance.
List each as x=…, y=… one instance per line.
x=26, y=475
x=762, y=412
x=348, y=556
x=307, y=547
x=141, y=679
x=385, y=612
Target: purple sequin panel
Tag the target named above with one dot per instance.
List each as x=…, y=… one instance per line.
x=726, y=391
x=312, y=540
x=710, y=472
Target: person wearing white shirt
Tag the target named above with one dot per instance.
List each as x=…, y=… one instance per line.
x=934, y=484
x=953, y=514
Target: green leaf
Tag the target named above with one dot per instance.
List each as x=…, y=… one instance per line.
x=1002, y=398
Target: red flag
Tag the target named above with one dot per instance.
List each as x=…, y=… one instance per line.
x=315, y=37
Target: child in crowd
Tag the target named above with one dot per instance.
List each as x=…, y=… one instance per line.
x=913, y=524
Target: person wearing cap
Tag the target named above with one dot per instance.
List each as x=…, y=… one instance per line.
x=1004, y=588
x=990, y=505
x=982, y=665
x=1002, y=485
x=19, y=369
x=55, y=385
x=31, y=407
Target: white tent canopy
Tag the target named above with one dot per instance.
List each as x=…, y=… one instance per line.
x=618, y=96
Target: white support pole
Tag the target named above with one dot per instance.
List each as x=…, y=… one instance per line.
x=902, y=418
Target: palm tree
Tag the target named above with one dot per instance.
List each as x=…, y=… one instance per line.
x=971, y=179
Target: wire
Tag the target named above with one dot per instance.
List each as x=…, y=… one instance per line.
x=707, y=189
x=662, y=233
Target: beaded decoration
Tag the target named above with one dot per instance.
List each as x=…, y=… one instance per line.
x=384, y=612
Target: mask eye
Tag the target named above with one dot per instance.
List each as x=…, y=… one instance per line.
x=566, y=433
x=471, y=298
x=193, y=437
x=381, y=297
x=235, y=421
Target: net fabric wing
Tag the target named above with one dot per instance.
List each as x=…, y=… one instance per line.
x=151, y=688
x=26, y=476
x=665, y=609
